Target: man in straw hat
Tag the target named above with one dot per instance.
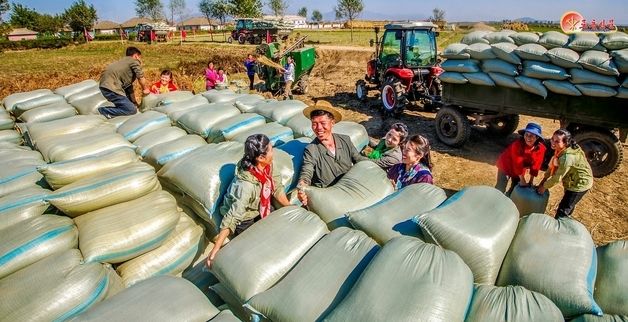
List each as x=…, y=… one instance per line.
x=330, y=155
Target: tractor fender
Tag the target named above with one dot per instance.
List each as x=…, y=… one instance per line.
x=405, y=75
x=371, y=68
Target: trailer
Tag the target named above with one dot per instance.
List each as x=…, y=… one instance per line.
x=599, y=124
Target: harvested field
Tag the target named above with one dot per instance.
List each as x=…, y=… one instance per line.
x=602, y=210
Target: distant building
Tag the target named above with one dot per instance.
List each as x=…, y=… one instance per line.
x=298, y=21
x=130, y=24
x=199, y=23
x=22, y=34
x=324, y=25
x=107, y=27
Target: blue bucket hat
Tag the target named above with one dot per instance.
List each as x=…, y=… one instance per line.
x=532, y=128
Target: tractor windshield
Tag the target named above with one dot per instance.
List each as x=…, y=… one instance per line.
x=420, y=48
x=391, y=46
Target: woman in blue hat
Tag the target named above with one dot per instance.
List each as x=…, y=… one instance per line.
x=522, y=155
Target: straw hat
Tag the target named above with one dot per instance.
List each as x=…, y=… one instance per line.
x=323, y=106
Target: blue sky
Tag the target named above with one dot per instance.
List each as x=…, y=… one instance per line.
x=455, y=10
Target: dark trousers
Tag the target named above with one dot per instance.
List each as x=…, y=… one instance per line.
x=568, y=203
x=244, y=225
x=251, y=81
x=123, y=104
x=502, y=182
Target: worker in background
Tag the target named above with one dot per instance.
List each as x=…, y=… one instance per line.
x=116, y=84
x=288, y=77
x=249, y=63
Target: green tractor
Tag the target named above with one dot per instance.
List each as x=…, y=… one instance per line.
x=273, y=57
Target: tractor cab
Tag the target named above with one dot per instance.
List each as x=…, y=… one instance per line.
x=404, y=65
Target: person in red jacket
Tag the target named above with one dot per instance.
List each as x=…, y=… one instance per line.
x=526, y=153
x=165, y=83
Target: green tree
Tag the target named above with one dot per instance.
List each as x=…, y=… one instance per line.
x=176, y=8
x=49, y=24
x=217, y=9
x=246, y=8
x=438, y=14
x=80, y=16
x=317, y=16
x=23, y=17
x=149, y=9
x=349, y=9
x=278, y=7
x=302, y=12
x=4, y=7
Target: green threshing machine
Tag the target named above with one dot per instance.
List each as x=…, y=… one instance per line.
x=304, y=60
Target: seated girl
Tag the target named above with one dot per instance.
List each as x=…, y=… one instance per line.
x=165, y=83
x=388, y=151
x=416, y=165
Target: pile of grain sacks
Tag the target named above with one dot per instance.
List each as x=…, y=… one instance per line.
x=580, y=64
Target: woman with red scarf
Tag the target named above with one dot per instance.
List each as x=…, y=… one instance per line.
x=249, y=197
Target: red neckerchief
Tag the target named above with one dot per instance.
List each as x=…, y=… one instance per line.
x=554, y=161
x=266, y=179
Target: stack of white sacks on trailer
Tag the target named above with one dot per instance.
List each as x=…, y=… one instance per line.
x=580, y=64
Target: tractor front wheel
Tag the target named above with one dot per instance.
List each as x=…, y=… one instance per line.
x=360, y=90
x=393, y=97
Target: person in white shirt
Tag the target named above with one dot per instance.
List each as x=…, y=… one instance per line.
x=288, y=77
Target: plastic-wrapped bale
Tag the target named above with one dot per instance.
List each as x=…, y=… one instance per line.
x=528, y=201
x=6, y=121
x=561, y=87
x=68, y=125
x=479, y=79
x=11, y=136
x=409, y=280
x=355, y=131
x=116, y=121
x=10, y=101
x=506, y=52
x=624, y=84
x=532, y=85
x=583, y=41
x=475, y=37
x=504, y=80
x=143, y=123
x=277, y=133
x=200, y=276
x=221, y=96
x=622, y=93
x=553, y=39
x=478, y=223
x=481, y=51
x=392, y=216
x=153, y=138
x=10, y=152
x=279, y=240
x=24, y=106
x=200, y=121
x=60, y=142
x=282, y=163
x=499, y=66
x=541, y=70
x=564, y=57
x=246, y=103
x=596, y=90
x=162, y=153
x=615, y=40
x=176, y=115
x=56, y=288
x=89, y=105
x=461, y=66
x=605, y=318
x=599, y=62
x=171, y=258
x=302, y=126
x=456, y=51
x=620, y=57
x=225, y=316
x=48, y=113
x=28, y=241
x=231, y=301
x=279, y=111
x=522, y=38
x=85, y=146
x=532, y=52
x=153, y=100
x=227, y=129
x=71, y=89
x=364, y=185
x=157, y=299
x=567, y=275
x=83, y=94
x=59, y=174
x=121, y=184
x=295, y=150
x=502, y=36
x=449, y=77
x=510, y=304
x=192, y=102
x=320, y=280
x=22, y=205
x=583, y=76
x=611, y=292
x=15, y=176
x=126, y=230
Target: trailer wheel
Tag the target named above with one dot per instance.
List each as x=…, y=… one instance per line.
x=360, y=90
x=229, y=40
x=603, y=150
x=393, y=97
x=503, y=126
x=452, y=127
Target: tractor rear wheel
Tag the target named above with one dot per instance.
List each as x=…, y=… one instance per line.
x=393, y=97
x=241, y=39
x=360, y=90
